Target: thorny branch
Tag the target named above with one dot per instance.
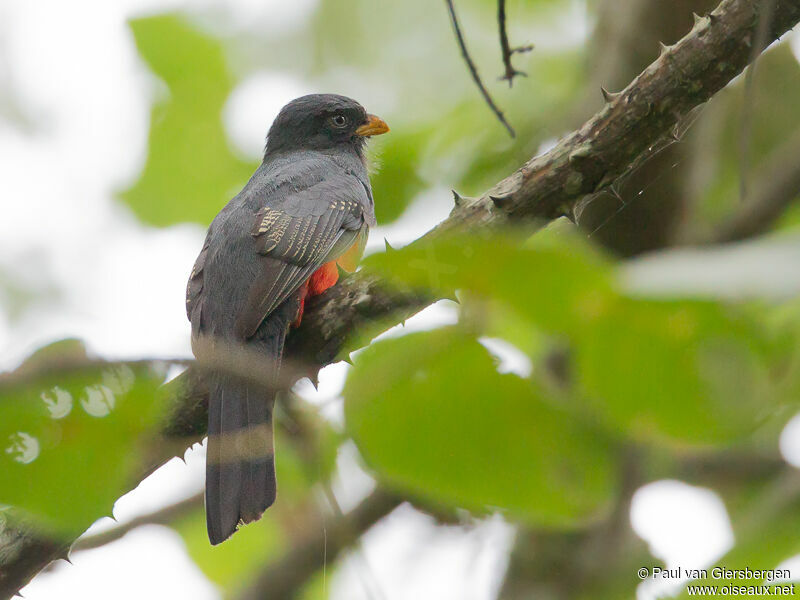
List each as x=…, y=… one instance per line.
x=474, y=70
x=582, y=164
x=506, y=48
x=630, y=125
x=162, y=516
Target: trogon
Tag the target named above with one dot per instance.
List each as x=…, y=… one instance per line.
x=306, y=209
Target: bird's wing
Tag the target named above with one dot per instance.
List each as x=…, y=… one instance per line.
x=194, y=287
x=296, y=237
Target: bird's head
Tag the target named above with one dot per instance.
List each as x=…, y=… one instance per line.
x=321, y=122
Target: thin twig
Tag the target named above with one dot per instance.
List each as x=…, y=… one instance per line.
x=162, y=516
x=473, y=69
x=283, y=578
x=511, y=72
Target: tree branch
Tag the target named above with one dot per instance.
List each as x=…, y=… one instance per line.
x=582, y=164
x=556, y=183
x=597, y=561
x=777, y=186
x=473, y=70
x=282, y=579
x=648, y=210
x=506, y=48
x=162, y=516
x=23, y=553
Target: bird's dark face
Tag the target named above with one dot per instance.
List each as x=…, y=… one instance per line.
x=321, y=122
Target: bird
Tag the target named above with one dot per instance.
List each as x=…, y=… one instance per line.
x=305, y=212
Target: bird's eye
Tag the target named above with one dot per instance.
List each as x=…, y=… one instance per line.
x=339, y=120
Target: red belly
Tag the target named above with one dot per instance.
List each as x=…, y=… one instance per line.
x=322, y=279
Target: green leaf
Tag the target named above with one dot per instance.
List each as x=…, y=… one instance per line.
x=70, y=439
x=233, y=563
x=507, y=324
x=432, y=416
x=190, y=171
x=396, y=181
x=659, y=370
x=682, y=370
x=555, y=283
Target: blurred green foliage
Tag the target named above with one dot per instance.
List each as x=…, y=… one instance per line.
x=440, y=135
x=463, y=434
x=656, y=369
x=232, y=564
x=190, y=172
x=576, y=278
x=766, y=524
x=429, y=411
x=302, y=464
x=70, y=437
x=741, y=130
x=667, y=373
x=685, y=370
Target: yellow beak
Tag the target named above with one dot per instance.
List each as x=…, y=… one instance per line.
x=373, y=126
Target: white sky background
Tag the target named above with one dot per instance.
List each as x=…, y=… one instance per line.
x=119, y=286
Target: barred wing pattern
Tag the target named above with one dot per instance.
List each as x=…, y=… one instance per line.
x=320, y=225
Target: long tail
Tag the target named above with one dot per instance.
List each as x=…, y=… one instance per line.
x=240, y=464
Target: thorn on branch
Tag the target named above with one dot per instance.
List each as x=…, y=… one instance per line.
x=500, y=202
x=65, y=556
x=700, y=21
x=522, y=49
x=509, y=75
x=663, y=48
x=609, y=96
x=568, y=211
x=581, y=153
x=457, y=199
x=474, y=71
